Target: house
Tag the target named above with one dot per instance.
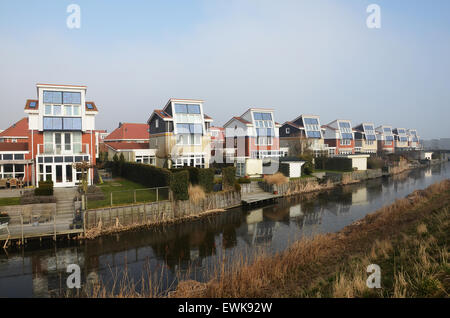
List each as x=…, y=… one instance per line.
x=301, y=134
x=131, y=140
x=385, y=139
x=400, y=139
x=180, y=134
x=217, y=144
x=413, y=139
x=338, y=136
x=59, y=130
x=365, y=138
x=251, y=139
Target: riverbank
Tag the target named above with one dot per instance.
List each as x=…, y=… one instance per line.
x=407, y=239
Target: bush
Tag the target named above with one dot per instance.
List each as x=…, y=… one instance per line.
x=45, y=188
x=206, y=179
x=308, y=167
x=179, y=184
x=244, y=180
x=375, y=163
x=237, y=187
x=29, y=197
x=336, y=163
x=148, y=176
x=277, y=178
x=228, y=177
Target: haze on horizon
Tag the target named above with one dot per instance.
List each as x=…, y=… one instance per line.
x=311, y=57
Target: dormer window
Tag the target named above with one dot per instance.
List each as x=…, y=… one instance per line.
x=288, y=130
x=157, y=123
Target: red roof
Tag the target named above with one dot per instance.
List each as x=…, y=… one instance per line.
x=13, y=146
x=129, y=131
x=206, y=116
x=162, y=113
x=128, y=145
x=242, y=120
x=19, y=129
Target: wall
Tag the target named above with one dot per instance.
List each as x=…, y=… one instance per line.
x=159, y=212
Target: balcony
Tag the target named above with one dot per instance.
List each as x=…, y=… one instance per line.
x=53, y=149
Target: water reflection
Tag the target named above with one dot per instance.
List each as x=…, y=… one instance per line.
x=194, y=248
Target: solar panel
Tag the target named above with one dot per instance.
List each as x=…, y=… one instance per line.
x=347, y=136
x=389, y=138
x=371, y=137
x=313, y=134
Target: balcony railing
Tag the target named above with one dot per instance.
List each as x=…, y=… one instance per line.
x=53, y=149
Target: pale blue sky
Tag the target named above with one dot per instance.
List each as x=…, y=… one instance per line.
x=295, y=56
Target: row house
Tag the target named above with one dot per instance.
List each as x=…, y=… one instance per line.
x=413, y=139
x=365, y=138
x=132, y=141
x=179, y=134
x=338, y=136
x=59, y=131
x=385, y=138
x=303, y=133
x=251, y=139
x=400, y=139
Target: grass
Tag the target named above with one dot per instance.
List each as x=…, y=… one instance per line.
x=123, y=194
x=9, y=201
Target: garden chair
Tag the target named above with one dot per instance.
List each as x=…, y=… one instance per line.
x=13, y=183
x=3, y=183
x=20, y=183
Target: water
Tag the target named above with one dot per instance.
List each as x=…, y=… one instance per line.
x=193, y=248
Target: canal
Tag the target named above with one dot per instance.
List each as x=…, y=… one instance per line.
x=196, y=249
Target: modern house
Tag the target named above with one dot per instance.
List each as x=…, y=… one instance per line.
x=58, y=132
x=413, y=139
x=385, y=138
x=365, y=138
x=400, y=139
x=179, y=134
x=217, y=144
x=338, y=136
x=251, y=139
x=301, y=134
x=131, y=140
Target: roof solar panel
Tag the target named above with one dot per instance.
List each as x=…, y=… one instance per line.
x=89, y=106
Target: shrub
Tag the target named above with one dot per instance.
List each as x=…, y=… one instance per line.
x=244, y=180
x=148, y=176
x=228, y=177
x=179, y=184
x=375, y=163
x=45, y=188
x=237, y=187
x=277, y=178
x=336, y=163
x=308, y=167
x=206, y=179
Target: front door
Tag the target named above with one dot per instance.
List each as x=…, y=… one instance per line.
x=63, y=175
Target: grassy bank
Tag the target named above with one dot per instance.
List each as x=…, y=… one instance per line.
x=9, y=201
x=407, y=239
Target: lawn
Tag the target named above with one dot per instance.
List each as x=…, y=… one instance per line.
x=9, y=201
x=123, y=192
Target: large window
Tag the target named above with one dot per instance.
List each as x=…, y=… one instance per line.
x=53, y=97
x=187, y=108
x=345, y=127
x=62, y=123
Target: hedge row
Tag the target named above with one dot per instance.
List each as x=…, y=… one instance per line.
x=228, y=177
x=179, y=184
x=148, y=176
x=45, y=188
x=199, y=176
x=336, y=163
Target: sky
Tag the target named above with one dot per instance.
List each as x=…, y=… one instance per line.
x=297, y=57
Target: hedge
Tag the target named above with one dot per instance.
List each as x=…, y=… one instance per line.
x=179, y=183
x=45, y=188
x=206, y=179
x=335, y=163
x=228, y=177
x=148, y=176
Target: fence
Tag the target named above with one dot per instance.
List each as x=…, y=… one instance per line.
x=127, y=197
x=23, y=222
x=159, y=212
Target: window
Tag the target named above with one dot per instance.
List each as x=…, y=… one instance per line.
x=288, y=130
x=67, y=110
x=52, y=97
x=76, y=110
x=388, y=143
x=19, y=156
x=157, y=123
x=345, y=142
x=187, y=108
x=57, y=110
x=48, y=109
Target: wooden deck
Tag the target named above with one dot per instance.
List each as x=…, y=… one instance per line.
x=259, y=197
